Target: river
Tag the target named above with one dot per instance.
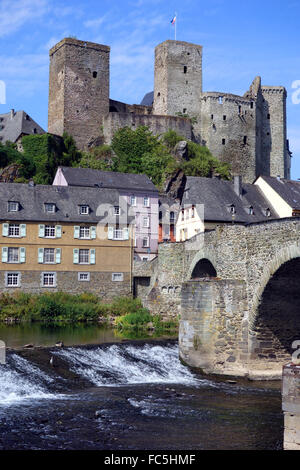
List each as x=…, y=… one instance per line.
x=130, y=395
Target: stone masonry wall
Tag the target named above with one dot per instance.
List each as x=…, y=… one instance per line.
x=157, y=124
x=177, y=78
x=211, y=326
x=100, y=284
x=78, y=89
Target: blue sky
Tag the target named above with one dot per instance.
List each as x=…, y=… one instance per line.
x=240, y=40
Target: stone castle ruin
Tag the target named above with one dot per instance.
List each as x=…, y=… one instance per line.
x=248, y=131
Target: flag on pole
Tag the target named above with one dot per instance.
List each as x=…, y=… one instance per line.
x=173, y=20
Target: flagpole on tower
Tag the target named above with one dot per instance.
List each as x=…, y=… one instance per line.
x=175, y=25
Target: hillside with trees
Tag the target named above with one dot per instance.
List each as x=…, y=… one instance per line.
x=131, y=151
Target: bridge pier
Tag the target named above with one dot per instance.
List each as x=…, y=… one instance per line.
x=213, y=334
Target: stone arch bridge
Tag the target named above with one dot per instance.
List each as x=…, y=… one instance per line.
x=237, y=290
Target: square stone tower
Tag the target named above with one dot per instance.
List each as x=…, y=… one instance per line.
x=177, y=78
x=78, y=89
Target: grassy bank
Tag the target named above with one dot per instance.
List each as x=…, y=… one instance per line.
x=124, y=313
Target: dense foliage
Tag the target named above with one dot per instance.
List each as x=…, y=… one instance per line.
x=41, y=156
x=131, y=151
x=139, y=151
x=8, y=154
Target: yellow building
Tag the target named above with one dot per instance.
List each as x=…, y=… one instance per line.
x=64, y=239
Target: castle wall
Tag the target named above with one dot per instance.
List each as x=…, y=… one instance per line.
x=227, y=126
x=79, y=89
x=274, y=139
x=157, y=124
x=177, y=78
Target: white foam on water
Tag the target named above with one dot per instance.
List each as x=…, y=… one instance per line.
x=126, y=364
x=20, y=380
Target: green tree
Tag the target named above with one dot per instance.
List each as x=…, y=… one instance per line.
x=8, y=154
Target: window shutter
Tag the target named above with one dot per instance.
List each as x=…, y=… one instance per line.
x=22, y=255
x=93, y=256
x=41, y=231
x=93, y=232
x=110, y=235
x=125, y=234
x=76, y=256
x=41, y=255
x=5, y=230
x=4, y=254
x=23, y=230
x=58, y=255
x=76, y=231
x=58, y=231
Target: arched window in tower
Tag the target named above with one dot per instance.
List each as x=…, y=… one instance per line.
x=95, y=74
x=185, y=69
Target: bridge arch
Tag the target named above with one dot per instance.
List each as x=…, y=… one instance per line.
x=204, y=269
x=202, y=254
x=275, y=316
x=282, y=256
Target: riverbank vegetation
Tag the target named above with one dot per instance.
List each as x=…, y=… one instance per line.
x=124, y=313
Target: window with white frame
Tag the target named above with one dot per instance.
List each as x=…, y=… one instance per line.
x=145, y=222
x=84, y=209
x=49, y=255
x=146, y=201
x=50, y=231
x=13, y=255
x=83, y=276
x=13, y=206
x=118, y=234
x=117, y=210
x=13, y=279
x=50, y=207
x=14, y=230
x=84, y=256
x=49, y=279
x=193, y=212
x=145, y=242
x=133, y=200
x=117, y=277
x=182, y=214
x=84, y=232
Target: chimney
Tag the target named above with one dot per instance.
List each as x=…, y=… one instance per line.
x=237, y=184
x=12, y=113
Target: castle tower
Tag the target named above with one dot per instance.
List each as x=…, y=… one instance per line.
x=274, y=135
x=177, y=78
x=78, y=89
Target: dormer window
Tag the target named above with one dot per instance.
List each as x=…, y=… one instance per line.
x=251, y=211
x=50, y=207
x=84, y=209
x=268, y=212
x=13, y=206
x=232, y=209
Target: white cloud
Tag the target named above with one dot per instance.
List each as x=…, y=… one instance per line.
x=14, y=14
x=95, y=23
